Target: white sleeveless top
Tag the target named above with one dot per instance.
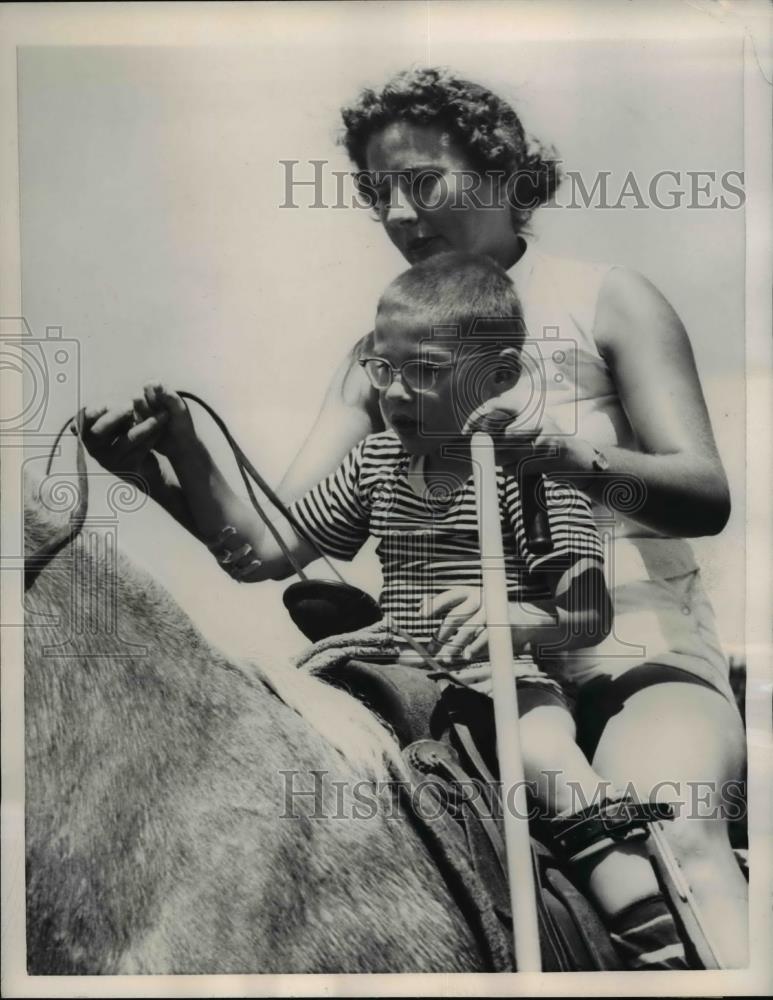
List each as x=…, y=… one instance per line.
x=661, y=611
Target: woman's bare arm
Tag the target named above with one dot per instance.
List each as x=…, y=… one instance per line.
x=349, y=413
x=677, y=469
x=651, y=360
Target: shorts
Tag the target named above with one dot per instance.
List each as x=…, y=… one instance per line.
x=591, y=704
x=535, y=687
x=663, y=620
x=598, y=700
x=664, y=631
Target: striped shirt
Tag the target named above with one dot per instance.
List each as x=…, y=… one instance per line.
x=428, y=536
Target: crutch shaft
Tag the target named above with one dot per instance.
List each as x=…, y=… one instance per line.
x=518, y=842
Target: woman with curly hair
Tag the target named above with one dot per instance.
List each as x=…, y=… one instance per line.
x=624, y=414
x=447, y=166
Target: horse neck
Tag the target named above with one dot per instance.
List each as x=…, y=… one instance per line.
x=164, y=781
x=114, y=664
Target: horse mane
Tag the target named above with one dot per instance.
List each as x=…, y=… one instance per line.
x=341, y=720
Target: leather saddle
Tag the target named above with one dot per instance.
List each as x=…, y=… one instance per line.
x=446, y=732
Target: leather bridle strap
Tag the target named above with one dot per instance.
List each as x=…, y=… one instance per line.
x=34, y=564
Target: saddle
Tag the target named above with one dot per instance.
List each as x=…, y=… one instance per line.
x=446, y=737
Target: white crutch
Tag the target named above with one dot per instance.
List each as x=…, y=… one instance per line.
x=517, y=839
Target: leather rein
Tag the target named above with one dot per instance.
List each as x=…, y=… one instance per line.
x=35, y=564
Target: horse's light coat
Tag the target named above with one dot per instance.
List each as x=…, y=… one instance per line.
x=154, y=807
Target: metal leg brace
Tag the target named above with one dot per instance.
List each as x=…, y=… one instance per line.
x=580, y=835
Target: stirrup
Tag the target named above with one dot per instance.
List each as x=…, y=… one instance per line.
x=619, y=818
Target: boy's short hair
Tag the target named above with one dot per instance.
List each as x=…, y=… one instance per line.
x=458, y=295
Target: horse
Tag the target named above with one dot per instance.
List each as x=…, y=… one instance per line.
x=188, y=813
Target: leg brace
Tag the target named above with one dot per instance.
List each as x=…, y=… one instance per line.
x=580, y=835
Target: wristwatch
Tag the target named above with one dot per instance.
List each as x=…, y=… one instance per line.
x=600, y=461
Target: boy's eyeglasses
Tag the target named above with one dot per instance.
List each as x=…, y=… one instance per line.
x=418, y=376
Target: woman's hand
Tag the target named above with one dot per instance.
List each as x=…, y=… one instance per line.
x=463, y=636
x=547, y=447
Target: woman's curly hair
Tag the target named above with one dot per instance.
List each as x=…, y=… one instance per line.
x=484, y=127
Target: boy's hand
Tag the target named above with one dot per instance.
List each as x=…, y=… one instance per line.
x=463, y=622
x=176, y=430
x=463, y=635
x=120, y=443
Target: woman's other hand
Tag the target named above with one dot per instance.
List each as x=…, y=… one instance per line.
x=541, y=440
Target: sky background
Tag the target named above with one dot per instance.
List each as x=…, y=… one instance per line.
x=152, y=232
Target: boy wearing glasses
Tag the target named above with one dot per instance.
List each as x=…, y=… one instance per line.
x=448, y=336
